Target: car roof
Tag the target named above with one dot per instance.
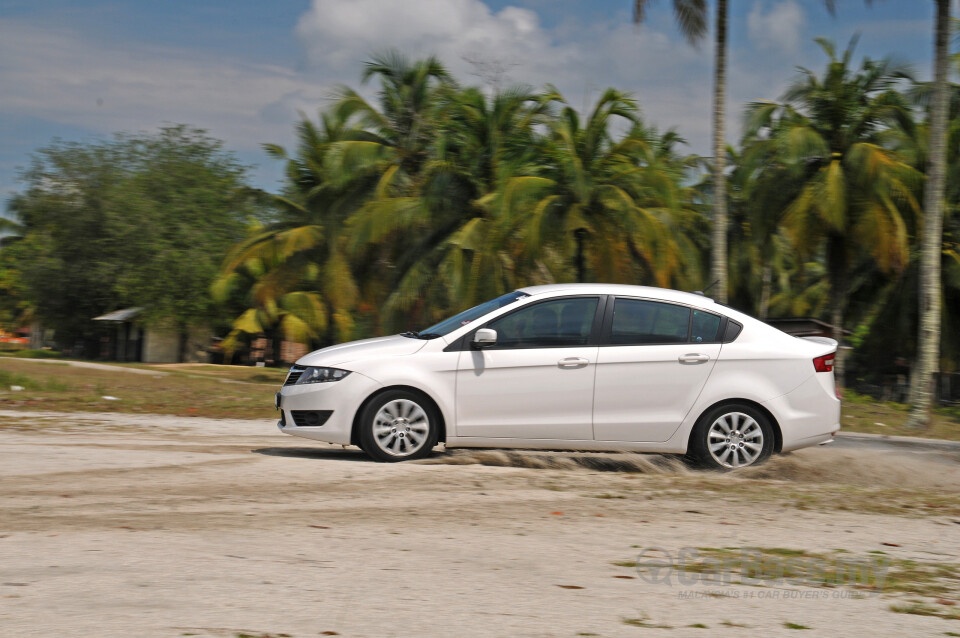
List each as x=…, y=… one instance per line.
x=665, y=294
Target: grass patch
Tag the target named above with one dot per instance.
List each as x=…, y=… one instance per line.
x=938, y=584
x=870, y=572
x=31, y=354
x=926, y=609
x=801, y=494
x=246, y=374
x=9, y=378
x=861, y=413
x=30, y=383
x=814, y=495
x=793, y=625
x=645, y=621
x=182, y=391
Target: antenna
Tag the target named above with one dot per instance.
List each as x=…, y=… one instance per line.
x=704, y=291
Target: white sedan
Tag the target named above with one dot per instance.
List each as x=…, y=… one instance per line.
x=574, y=367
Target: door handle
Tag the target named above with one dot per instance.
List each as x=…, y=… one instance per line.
x=693, y=358
x=573, y=362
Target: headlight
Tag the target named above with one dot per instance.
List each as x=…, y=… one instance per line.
x=321, y=375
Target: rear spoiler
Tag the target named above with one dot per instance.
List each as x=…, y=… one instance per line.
x=826, y=345
x=827, y=341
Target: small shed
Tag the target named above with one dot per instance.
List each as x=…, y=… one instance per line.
x=126, y=344
x=132, y=341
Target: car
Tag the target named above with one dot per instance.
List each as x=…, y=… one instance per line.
x=602, y=367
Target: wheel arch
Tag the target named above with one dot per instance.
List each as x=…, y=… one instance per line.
x=774, y=424
x=355, y=427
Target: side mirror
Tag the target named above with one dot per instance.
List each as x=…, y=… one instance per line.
x=484, y=338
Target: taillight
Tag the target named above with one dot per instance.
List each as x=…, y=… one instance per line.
x=824, y=363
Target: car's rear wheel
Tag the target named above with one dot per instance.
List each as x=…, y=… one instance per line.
x=398, y=425
x=731, y=436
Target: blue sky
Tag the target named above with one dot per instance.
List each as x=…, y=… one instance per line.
x=243, y=69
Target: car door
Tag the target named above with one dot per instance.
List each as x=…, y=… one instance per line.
x=536, y=382
x=653, y=362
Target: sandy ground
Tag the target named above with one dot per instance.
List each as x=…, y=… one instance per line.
x=131, y=525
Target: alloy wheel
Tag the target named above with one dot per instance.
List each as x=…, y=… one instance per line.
x=401, y=427
x=735, y=440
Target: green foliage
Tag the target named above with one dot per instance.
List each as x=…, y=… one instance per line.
x=134, y=221
x=437, y=197
x=429, y=197
x=15, y=309
x=823, y=185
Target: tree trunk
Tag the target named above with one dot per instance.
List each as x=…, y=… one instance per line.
x=580, y=234
x=839, y=362
x=837, y=263
x=277, y=346
x=928, y=340
x=766, y=279
x=719, y=261
x=184, y=338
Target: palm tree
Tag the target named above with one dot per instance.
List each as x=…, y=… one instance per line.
x=9, y=230
x=760, y=189
x=15, y=309
x=404, y=125
x=691, y=16
x=607, y=203
x=304, y=246
x=928, y=340
x=853, y=191
x=457, y=243
x=266, y=284
x=358, y=153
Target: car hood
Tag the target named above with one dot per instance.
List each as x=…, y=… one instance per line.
x=392, y=346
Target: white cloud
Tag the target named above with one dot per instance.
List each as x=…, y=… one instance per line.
x=340, y=35
x=72, y=78
x=670, y=79
x=779, y=28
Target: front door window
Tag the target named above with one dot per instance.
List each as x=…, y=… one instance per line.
x=564, y=322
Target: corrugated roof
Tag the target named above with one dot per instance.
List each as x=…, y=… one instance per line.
x=120, y=315
x=776, y=322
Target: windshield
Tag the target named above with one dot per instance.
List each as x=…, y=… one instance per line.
x=447, y=326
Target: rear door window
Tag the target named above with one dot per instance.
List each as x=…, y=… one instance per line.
x=705, y=327
x=642, y=322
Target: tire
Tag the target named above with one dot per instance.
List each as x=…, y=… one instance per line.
x=399, y=425
x=739, y=434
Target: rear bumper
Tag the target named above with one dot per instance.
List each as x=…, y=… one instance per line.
x=342, y=398
x=808, y=415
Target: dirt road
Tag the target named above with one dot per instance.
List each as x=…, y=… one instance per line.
x=131, y=525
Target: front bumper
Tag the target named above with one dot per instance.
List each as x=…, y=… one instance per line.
x=342, y=398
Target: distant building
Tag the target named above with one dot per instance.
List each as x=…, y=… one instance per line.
x=132, y=341
x=155, y=344
x=804, y=327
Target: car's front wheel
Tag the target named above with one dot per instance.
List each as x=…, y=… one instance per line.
x=731, y=436
x=398, y=425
